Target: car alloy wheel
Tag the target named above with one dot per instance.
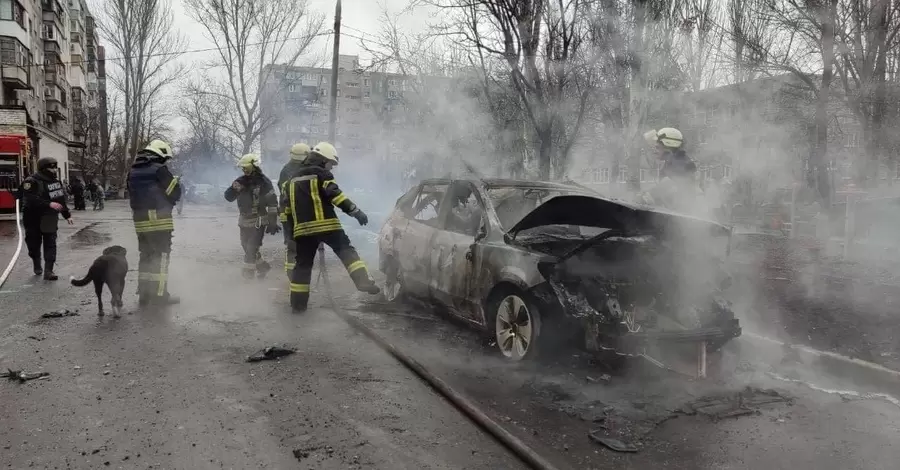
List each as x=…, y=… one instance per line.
x=514, y=327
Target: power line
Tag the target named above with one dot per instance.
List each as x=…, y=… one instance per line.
x=180, y=52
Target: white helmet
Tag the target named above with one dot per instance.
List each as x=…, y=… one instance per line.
x=668, y=137
x=249, y=160
x=299, y=151
x=327, y=151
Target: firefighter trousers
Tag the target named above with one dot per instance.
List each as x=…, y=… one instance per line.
x=290, y=246
x=153, y=265
x=306, y=254
x=34, y=239
x=251, y=242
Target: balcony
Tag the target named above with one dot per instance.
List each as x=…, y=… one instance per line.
x=51, y=35
x=15, y=77
x=57, y=111
x=13, y=57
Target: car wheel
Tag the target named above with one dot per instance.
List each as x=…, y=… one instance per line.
x=393, y=283
x=517, y=325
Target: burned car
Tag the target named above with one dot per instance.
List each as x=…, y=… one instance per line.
x=533, y=264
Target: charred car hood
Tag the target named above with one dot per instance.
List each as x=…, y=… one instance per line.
x=590, y=211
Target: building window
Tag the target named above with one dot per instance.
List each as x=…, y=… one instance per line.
x=648, y=175
x=366, y=93
x=852, y=140
x=392, y=82
x=623, y=175
x=366, y=82
x=726, y=172
x=12, y=52
x=353, y=84
x=12, y=10
x=392, y=94
x=292, y=88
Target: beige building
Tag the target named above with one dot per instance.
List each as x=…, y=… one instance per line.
x=45, y=73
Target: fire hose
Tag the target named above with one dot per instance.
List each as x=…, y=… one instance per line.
x=521, y=450
x=12, y=262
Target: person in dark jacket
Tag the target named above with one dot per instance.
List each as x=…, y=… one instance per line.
x=312, y=194
x=154, y=192
x=78, y=194
x=258, y=213
x=44, y=200
x=299, y=152
x=677, y=172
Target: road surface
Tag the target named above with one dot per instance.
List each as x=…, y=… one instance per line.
x=171, y=389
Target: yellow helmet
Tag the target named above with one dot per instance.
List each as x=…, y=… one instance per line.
x=161, y=148
x=299, y=151
x=249, y=160
x=326, y=150
x=668, y=137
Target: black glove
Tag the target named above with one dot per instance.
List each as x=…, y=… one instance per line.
x=360, y=216
x=272, y=229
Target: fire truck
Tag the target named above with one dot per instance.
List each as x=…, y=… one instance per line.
x=15, y=164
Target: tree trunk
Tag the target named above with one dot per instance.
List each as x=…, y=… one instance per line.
x=636, y=97
x=880, y=106
x=544, y=153
x=817, y=163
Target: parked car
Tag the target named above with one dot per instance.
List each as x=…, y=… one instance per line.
x=532, y=263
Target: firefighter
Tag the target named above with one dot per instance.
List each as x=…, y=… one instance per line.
x=312, y=195
x=258, y=208
x=154, y=193
x=677, y=171
x=44, y=200
x=299, y=152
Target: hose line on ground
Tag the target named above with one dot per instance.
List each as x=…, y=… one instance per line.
x=463, y=404
x=15, y=257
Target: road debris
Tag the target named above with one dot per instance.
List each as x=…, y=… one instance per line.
x=21, y=376
x=60, y=313
x=270, y=354
x=605, y=379
x=731, y=405
x=611, y=443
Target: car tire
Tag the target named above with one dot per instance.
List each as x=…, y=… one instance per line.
x=515, y=321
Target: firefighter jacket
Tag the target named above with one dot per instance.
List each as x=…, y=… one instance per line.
x=677, y=165
x=154, y=192
x=291, y=169
x=38, y=191
x=311, y=197
x=256, y=200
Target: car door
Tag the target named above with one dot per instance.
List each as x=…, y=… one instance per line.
x=417, y=239
x=455, y=255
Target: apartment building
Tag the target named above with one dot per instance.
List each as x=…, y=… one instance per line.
x=371, y=117
x=45, y=76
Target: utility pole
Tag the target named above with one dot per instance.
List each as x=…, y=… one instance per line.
x=332, y=115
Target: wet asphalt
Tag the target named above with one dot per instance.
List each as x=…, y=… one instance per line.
x=171, y=388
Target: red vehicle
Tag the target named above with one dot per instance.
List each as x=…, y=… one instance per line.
x=15, y=165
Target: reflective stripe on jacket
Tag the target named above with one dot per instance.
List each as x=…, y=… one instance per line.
x=154, y=193
x=312, y=195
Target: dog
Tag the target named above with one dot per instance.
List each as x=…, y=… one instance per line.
x=109, y=268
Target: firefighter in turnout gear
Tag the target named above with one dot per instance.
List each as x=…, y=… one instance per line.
x=258, y=207
x=677, y=188
x=44, y=200
x=299, y=152
x=312, y=194
x=154, y=193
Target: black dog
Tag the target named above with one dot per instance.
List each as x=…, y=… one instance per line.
x=110, y=268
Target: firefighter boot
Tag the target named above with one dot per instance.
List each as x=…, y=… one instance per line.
x=38, y=270
x=48, y=272
x=368, y=286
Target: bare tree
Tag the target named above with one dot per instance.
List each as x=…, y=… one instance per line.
x=251, y=36
x=141, y=34
x=539, y=42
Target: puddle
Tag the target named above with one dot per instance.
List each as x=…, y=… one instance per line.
x=87, y=237
x=845, y=394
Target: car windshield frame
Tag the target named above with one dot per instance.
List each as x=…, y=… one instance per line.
x=551, y=190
